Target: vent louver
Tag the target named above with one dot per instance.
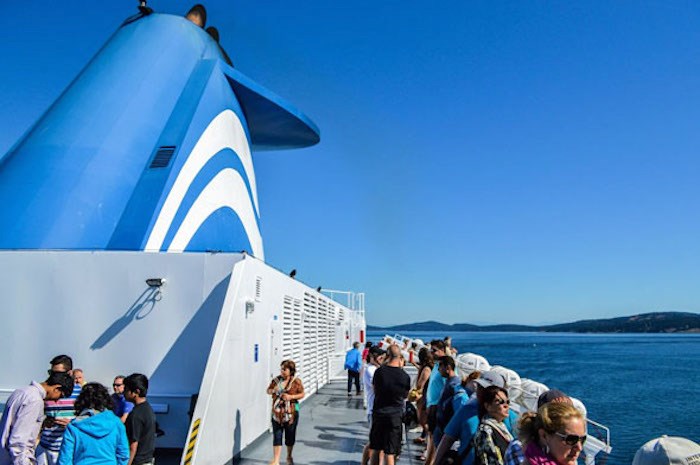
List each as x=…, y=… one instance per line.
x=163, y=156
x=258, y=288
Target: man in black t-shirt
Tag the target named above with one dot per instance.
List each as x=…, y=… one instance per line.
x=141, y=422
x=391, y=385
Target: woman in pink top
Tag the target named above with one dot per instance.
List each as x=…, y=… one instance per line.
x=555, y=436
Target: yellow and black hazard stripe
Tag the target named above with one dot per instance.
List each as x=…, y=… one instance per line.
x=192, y=441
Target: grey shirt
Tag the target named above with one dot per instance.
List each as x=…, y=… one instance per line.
x=20, y=425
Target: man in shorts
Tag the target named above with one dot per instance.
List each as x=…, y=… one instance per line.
x=375, y=358
x=391, y=385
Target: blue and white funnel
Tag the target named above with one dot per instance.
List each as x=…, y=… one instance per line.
x=148, y=149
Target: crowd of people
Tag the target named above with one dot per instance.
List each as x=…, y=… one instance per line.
x=65, y=421
x=466, y=418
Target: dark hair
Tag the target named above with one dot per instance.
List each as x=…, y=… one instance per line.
x=290, y=365
x=136, y=383
x=368, y=344
x=64, y=360
x=488, y=395
x=447, y=361
x=374, y=352
x=93, y=396
x=200, y=11
x=65, y=380
x=438, y=344
x=425, y=358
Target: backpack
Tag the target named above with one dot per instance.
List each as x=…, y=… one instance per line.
x=447, y=410
x=410, y=416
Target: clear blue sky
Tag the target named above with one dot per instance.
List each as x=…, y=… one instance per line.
x=517, y=161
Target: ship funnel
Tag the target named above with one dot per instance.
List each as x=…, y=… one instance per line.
x=148, y=149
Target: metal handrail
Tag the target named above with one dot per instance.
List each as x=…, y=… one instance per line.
x=603, y=427
x=353, y=300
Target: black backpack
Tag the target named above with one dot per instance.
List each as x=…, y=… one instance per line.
x=410, y=416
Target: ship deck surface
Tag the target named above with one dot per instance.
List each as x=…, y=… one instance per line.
x=332, y=430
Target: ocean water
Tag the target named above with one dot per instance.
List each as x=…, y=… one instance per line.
x=639, y=385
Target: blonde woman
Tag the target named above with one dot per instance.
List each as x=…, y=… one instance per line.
x=555, y=436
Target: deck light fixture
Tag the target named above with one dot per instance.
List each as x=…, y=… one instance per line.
x=155, y=282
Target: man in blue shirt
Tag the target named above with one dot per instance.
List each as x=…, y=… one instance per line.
x=353, y=363
x=453, y=388
x=122, y=407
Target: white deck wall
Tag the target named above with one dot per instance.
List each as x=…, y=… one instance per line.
x=219, y=327
x=270, y=314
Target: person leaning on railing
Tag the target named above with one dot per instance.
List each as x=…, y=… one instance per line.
x=492, y=436
x=554, y=436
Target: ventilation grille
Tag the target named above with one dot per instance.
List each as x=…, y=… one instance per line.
x=163, y=156
x=258, y=288
x=314, y=338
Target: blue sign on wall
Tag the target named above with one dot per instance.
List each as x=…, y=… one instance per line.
x=257, y=350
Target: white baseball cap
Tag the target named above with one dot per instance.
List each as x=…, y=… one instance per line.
x=668, y=450
x=491, y=378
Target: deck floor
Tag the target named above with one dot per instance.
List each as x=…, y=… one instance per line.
x=332, y=430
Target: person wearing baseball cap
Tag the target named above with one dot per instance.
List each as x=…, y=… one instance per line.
x=465, y=421
x=491, y=378
x=668, y=450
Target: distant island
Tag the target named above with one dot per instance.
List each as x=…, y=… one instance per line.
x=659, y=322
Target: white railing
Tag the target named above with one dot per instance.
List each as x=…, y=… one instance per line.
x=352, y=300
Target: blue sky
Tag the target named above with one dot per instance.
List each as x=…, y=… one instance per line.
x=485, y=162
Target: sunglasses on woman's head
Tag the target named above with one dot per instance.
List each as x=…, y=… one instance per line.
x=572, y=439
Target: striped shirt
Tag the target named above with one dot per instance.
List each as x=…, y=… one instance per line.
x=52, y=436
